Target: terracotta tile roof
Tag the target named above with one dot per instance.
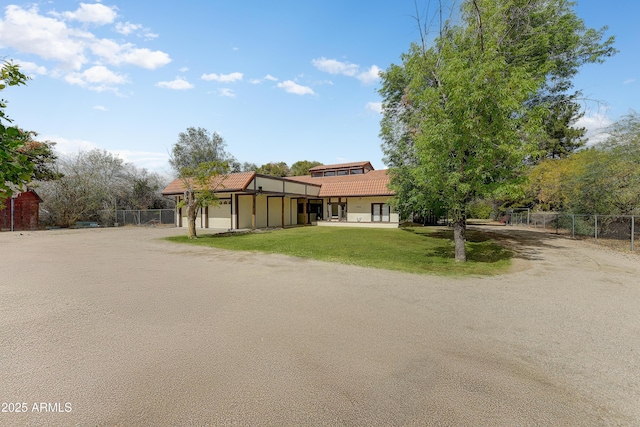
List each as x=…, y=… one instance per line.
x=340, y=166
x=373, y=183
x=232, y=182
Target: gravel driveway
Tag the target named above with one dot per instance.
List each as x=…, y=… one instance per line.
x=115, y=327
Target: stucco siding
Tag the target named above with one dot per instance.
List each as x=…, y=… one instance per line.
x=275, y=211
x=295, y=188
x=269, y=184
x=245, y=204
x=261, y=212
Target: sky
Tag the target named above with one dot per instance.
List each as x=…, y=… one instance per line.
x=285, y=80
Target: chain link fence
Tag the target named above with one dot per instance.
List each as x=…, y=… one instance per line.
x=615, y=230
x=150, y=217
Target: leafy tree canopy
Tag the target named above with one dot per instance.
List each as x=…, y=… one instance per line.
x=462, y=114
x=301, y=168
x=197, y=146
x=274, y=169
x=15, y=168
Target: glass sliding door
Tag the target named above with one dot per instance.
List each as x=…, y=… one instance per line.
x=380, y=212
x=376, y=209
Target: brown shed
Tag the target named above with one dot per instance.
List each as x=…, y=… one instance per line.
x=21, y=212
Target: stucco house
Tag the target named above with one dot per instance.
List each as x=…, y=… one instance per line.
x=351, y=194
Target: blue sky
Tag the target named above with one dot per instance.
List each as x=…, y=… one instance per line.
x=280, y=81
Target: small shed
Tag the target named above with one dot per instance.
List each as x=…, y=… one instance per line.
x=21, y=212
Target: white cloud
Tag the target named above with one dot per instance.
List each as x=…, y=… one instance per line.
x=292, y=87
x=333, y=66
x=65, y=146
x=227, y=92
x=222, y=78
x=265, y=78
x=116, y=54
x=31, y=68
x=145, y=58
x=93, y=13
x=184, y=69
x=71, y=48
x=98, y=78
x=49, y=38
x=178, y=84
x=628, y=81
x=596, y=124
x=100, y=108
x=376, y=107
x=127, y=28
x=370, y=76
x=150, y=160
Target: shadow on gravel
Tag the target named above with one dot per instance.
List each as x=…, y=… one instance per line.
x=525, y=243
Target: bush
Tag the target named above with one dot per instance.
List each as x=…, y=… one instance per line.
x=480, y=209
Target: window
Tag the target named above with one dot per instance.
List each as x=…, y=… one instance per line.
x=380, y=212
x=355, y=171
x=316, y=174
x=343, y=172
x=330, y=173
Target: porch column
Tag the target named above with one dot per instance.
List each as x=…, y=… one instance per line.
x=304, y=211
x=253, y=213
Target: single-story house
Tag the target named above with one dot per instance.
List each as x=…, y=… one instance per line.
x=343, y=194
x=21, y=211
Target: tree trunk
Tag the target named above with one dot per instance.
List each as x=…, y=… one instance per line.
x=192, y=213
x=459, y=238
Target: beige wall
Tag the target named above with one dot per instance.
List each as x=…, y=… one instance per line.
x=268, y=184
x=261, y=211
x=275, y=211
x=245, y=204
x=359, y=209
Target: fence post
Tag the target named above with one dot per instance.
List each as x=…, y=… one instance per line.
x=573, y=226
x=633, y=230
x=596, y=227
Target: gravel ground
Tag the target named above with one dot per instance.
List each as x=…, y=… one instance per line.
x=115, y=327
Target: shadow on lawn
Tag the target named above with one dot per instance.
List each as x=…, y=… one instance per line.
x=480, y=247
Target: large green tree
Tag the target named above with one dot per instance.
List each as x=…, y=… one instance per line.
x=15, y=168
x=301, y=167
x=280, y=169
x=466, y=108
x=202, y=164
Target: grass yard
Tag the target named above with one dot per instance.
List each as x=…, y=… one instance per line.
x=427, y=250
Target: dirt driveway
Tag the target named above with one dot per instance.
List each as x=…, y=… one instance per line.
x=115, y=327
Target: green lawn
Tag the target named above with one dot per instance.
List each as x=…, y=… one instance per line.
x=413, y=249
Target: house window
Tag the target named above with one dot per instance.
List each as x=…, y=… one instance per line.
x=343, y=172
x=355, y=171
x=380, y=212
x=316, y=174
x=330, y=173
